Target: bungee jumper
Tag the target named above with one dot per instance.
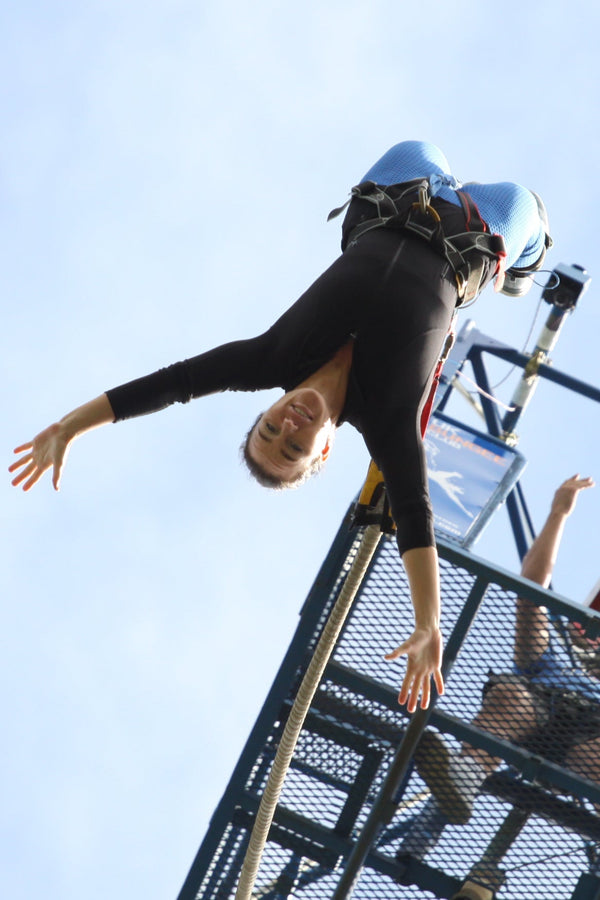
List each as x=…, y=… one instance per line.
x=361, y=345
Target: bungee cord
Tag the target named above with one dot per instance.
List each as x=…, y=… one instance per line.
x=300, y=707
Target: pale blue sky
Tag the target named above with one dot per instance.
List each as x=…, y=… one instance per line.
x=166, y=170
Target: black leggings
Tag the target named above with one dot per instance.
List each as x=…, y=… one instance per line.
x=398, y=296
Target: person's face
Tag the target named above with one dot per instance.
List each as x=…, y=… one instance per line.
x=292, y=433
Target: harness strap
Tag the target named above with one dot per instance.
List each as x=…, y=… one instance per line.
x=469, y=253
x=376, y=194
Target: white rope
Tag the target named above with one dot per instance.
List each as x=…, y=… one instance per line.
x=304, y=697
x=484, y=393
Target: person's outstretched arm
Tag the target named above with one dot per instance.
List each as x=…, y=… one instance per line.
x=238, y=365
x=50, y=447
x=423, y=648
x=531, y=636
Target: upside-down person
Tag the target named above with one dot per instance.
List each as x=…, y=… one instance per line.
x=360, y=346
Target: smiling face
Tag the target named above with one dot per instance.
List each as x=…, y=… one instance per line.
x=292, y=435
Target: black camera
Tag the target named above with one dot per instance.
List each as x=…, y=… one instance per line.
x=565, y=285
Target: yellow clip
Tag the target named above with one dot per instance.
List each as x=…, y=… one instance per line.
x=428, y=211
x=372, y=486
x=535, y=361
x=373, y=506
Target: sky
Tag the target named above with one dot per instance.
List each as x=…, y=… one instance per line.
x=166, y=170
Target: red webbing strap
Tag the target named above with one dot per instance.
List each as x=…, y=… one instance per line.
x=426, y=412
x=448, y=344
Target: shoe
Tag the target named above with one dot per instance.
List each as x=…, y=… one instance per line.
x=453, y=780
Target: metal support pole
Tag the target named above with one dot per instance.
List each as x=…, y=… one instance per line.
x=386, y=803
x=520, y=520
x=563, y=290
x=529, y=381
x=487, y=870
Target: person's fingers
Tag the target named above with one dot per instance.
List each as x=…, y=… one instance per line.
x=578, y=483
x=20, y=462
x=405, y=689
x=27, y=446
x=33, y=480
x=413, y=686
x=404, y=698
x=56, y=475
x=23, y=475
x=439, y=681
x=414, y=696
x=394, y=654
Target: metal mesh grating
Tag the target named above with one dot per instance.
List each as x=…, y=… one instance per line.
x=534, y=811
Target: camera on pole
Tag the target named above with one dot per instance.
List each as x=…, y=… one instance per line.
x=566, y=285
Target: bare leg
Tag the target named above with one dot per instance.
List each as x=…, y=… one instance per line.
x=584, y=760
x=508, y=713
x=455, y=779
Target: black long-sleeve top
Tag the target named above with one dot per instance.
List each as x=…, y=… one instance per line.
x=394, y=296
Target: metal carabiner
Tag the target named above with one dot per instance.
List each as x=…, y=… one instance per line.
x=429, y=210
x=424, y=197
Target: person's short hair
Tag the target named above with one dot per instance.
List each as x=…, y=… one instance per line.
x=266, y=478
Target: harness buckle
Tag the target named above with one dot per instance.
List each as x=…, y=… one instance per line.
x=461, y=283
x=428, y=231
x=429, y=210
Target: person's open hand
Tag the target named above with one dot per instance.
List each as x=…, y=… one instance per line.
x=566, y=495
x=423, y=650
x=48, y=450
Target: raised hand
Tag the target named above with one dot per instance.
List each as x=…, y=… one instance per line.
x=566, y=495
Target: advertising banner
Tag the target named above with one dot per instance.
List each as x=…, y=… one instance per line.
x=470, y=475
